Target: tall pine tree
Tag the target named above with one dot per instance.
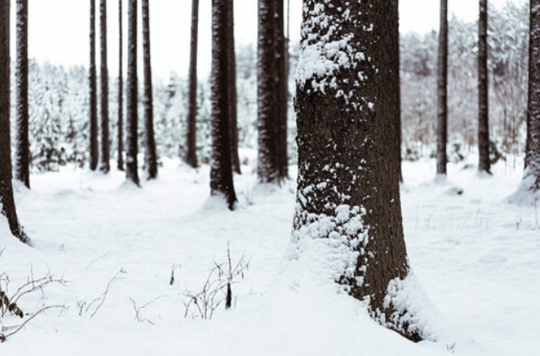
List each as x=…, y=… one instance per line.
x=150, y=155
x=191, y=134
x=94, y=148
x=22, y=145
x=7, y=202
x=442, y=91
x=348, y=180
x=104, y=76
x=221, y=177
x=484, y=165
x=120, y=91
x=132, y=119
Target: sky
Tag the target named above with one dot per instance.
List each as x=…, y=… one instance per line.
x=58, y=29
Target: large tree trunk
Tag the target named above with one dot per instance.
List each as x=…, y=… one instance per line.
x=268, y=123
x=22, y=154
x=191, y=135
x=532, y=153
x=105, y=145
x=7, y=203
x=483, y=101
x=150, y=155
x=120, y=92
x=348, y=181
x=442, y=90
x=233, y=95
x=132, y=149
x=221, y=178
x=282, y=93
x=94, y=147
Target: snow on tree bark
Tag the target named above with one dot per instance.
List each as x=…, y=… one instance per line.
x=120, y=91
x=22, y=144
x=282, y=93
x=191, y=135
x=94, y=146
x=150, y=155
x=348, y=182
x=104, y=77
x=532, y=152
x=483, y=90
x=132, y=149
x=233, y=95
x=442, y=91
x=221, y=178
x=268, y=123
x=7, y=202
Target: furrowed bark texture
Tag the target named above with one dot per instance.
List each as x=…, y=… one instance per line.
x=442, y=91
x=268, y=123
x=484, y=164
x=105, y=144
x=282, y=94
x=22, y=144
x=532, y=153
x=94, y=147
x=132, y=149
x=348, y=181
x=191, y=135
x=233, y=95
x=221, y=178
x=150, y=155
x=7, y=203
x=120, y=91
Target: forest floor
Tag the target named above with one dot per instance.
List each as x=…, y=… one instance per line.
x=477, y=257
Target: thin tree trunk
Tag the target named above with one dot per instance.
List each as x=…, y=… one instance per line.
x=442, y=91
x=191, y=135
x=221, y=177
x=150, y=155
x=105, y=145
x=532, y=153
x=348, y=181
x=483, y=88
x=282, y=94
x=22, y=154
x=7, y=202
x=132, y=173
x=94, y=146
x=268, y=122
x=233, y=95
x=120, y=92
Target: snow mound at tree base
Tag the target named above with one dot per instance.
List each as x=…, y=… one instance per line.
x=526, y=194
x=308, y=284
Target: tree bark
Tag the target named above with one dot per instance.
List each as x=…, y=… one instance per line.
x=282, y=93
x=7, y=202
x=221, y=178
x=105, y=145
x=442, y=91
x=22, y=154
x=268, y=123
x=348, y=181
x=120, y=92
x=191, y=135
x=483, y=101
x=94, y=147
x=233, y=95
x=150, y=155
x=132, y=173
x=532, y=153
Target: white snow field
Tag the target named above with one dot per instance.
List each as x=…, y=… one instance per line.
x=476, y=257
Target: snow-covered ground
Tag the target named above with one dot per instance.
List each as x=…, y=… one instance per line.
x=477, y=257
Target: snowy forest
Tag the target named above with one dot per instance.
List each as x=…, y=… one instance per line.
x=362, y=191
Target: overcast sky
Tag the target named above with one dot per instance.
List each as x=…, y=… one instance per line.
x=58, y=29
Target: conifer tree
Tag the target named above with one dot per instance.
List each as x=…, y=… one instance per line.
x=94, y=148
x=484, y=165
x=191, y=134
x=22, y=145
x=233, y=95
x=221, y=177
x=7, y=202
x=348, y=180
x=120, y=91
x=442, y=91
x=132, y=149
x=150, y=155
x=104, y=77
